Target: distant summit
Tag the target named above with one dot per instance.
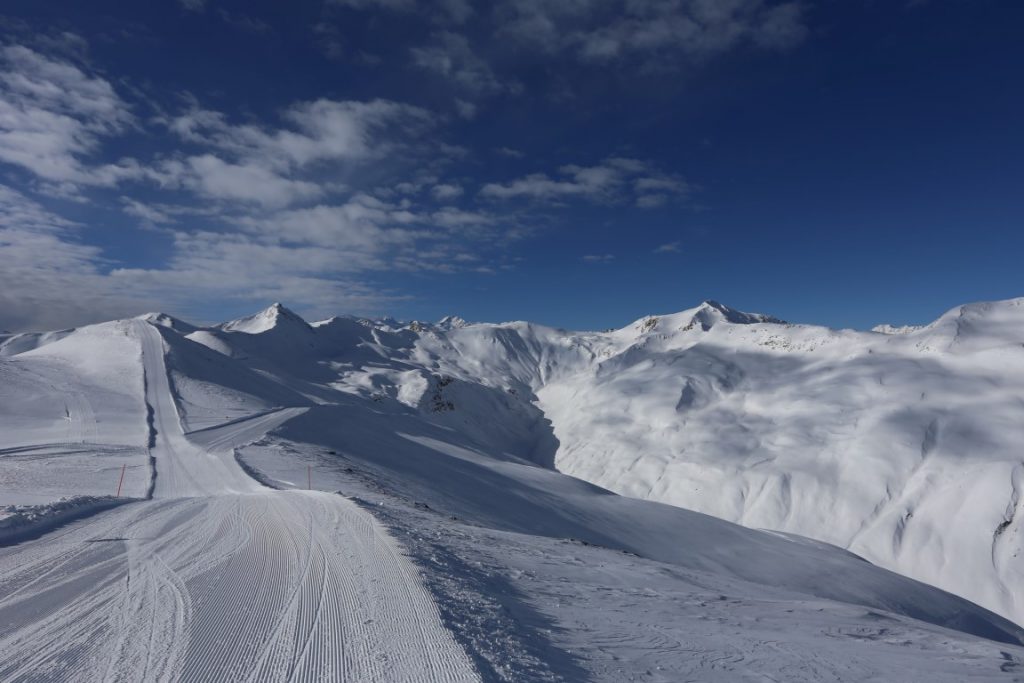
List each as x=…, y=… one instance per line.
x=711, y=312
x=703, y=317
x=272, y=317
x=451, y=322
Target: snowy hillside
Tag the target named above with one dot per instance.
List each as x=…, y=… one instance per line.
x=903, y=447
x=450, y=445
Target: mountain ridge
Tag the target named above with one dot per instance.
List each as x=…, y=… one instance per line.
x=900, y=449
x=867, y=440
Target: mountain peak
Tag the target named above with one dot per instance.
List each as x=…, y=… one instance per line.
x=273, y=316
x=450, y=322
x=711, y=312
x=278, y=309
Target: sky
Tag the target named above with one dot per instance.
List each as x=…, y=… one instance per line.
x=580, y=163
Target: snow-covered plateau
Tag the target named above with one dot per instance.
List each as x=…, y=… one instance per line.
x=706, y=495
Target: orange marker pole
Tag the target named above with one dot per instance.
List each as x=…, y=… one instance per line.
x=120, y=481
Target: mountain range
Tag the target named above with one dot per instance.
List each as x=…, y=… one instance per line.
x=730, y=459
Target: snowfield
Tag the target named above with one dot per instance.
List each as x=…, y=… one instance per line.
x=444, y=539
x=219, y=578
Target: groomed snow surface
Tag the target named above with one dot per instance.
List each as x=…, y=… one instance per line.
x=442, y=543
x=218, y=578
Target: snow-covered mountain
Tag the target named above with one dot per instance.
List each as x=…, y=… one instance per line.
x=904, y=448
x=901, y=445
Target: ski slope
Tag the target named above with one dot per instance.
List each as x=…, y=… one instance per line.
x=218, y=578
x=268, y=585
x=72, y=417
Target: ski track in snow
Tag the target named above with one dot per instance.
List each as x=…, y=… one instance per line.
x=218, y=578
x=81, y=419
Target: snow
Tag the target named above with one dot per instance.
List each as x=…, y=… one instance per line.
x=273, y=317
x=219, y=578
x=904, y=449
x=25, y=522
x=72, y=416
x=267, y=586
x=690, y=598
x=895, y=329
x=460, y=548
x=13, y=344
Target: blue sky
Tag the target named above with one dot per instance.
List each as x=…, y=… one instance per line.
x=580, y=163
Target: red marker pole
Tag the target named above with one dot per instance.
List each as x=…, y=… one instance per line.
x=120, y=481
x=309, y=477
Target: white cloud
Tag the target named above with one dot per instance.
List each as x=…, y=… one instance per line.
x=370, y=231
x=614, y=180
x=321, y=130
x=447, y=191
x=224, y=267
x=260, y=209
x=263, y=246
x=451, y=57
x=278, y=167
x=244, y=22
x=377, y=4
x=452, y=218
x=455, y=11
x=651, y=201
x=510, y=153
x=246, y=182
x=150, y=215
x=53, y=117
x=459, y=11
x=317, y=255
x=663, y=31
x=668, y=248
x=365, y=228
x=466, y=110
x=590, y=183
x=49, y=280
x=670, y=184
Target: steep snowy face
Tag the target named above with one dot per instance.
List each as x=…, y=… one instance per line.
x=710, y=313
x=450, y=322
x=273, y=317
x=904, y=448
